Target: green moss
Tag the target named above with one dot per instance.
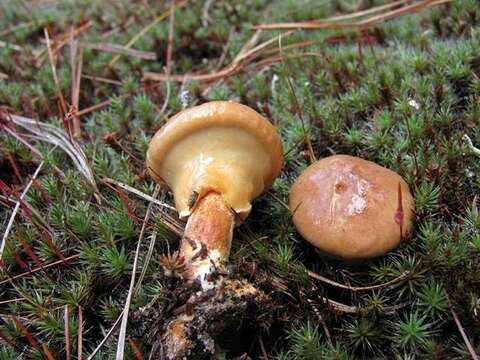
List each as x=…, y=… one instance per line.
x=403, y=96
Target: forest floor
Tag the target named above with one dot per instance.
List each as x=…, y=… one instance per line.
x=85, y=84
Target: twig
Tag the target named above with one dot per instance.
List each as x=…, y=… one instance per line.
x=123, y=326
x=469, y=345
x=357, y=288
x=17, y=207
x=119, y=49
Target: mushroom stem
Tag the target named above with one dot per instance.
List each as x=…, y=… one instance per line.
x=207, y=239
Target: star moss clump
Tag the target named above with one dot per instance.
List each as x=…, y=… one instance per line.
x=403, y=93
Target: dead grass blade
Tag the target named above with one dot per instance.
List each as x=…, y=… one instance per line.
x=123, y=326
x=17, y=207
x=106, y=337
x=53, y=135
x=151, y=246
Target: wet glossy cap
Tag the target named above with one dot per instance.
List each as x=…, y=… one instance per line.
x=220, y=146
x=351, y=208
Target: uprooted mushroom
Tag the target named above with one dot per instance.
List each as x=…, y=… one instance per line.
x=215, y=158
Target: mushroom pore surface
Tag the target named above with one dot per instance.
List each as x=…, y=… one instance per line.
x=350, y=208
x=221, y=147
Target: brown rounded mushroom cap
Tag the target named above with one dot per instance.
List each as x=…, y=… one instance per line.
x=350, y=208
x=220, y=146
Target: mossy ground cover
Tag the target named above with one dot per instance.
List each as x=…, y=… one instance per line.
x=402, y=93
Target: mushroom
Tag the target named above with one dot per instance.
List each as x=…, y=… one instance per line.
x=351, y=208
x=216, y=158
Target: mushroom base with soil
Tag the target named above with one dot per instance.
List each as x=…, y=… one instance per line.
x=198, y=328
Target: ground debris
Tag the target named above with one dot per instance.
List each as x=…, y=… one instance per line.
x=202, y=326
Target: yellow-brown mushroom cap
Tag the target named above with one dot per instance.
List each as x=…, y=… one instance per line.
x=220, y=146
x=350, y=208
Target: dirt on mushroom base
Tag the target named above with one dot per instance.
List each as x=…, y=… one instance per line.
x=198, y=324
